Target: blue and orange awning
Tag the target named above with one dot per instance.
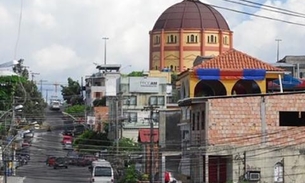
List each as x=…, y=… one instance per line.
x=218, y=74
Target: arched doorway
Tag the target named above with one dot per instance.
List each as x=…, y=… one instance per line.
x=245, y=87
x=209, y=88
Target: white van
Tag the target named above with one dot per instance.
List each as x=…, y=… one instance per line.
x=101, y=172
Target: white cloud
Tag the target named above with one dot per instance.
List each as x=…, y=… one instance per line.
x=62, y=39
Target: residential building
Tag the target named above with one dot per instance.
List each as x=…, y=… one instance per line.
x=103, y=83
x=135, y=94
x=297, y=65
x=233, y=128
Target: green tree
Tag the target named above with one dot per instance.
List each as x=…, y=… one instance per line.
x=130, y=176
x=72, y=93
x=27, y=94
x=99, y=102
x=8, y=86
x=136, y=74
x=76, y=110
x=128, y=145
x=92, y=141
x=23, y=91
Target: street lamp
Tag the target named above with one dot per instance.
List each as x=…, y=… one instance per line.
x=3, y=148
x=105, y=44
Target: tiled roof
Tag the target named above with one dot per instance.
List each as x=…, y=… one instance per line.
x=236, y=60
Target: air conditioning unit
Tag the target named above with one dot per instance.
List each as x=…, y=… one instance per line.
x=253, y=175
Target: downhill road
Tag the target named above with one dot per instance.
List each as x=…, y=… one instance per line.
x=48, y=143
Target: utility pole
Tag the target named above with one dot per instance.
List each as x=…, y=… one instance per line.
x=33, y=75
x=117, y=125
x=278, y=49
x=56, y=85
x=41, y=81
x=105, y=49
x=47, y=94
x=152, y=109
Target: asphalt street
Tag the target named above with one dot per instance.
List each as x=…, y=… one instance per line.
x=48, y=143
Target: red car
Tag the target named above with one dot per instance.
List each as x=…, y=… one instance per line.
x=51, y=160
x=66, y=138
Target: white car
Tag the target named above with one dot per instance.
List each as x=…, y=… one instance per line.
x=68, y=146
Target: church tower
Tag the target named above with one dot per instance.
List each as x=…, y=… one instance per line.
x=184, y=31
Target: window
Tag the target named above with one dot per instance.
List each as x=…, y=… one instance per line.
x=278, y=172
x=156, y=100
x=212, y=39
x=225, y=40
x=197, y=121
x=130, y=100
x=98, y=94
x=192, y=38
x=131, y=116
x=157, y=39
x=193, y=122
x=292, y=118
x=100, y=171
x=155, y=117
x=171, y=39
x=202, y=120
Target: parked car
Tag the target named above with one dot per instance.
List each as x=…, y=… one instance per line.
x=72, y=157
x=67, y=132
x=68, y=146
x=26, y=144
x=85, y=160
x=28, y=134
x=50, y=160
x=60, y=162
x=66, y=138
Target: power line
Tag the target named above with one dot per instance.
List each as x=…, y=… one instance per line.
x=19, y=29
x=273, y=9
x=259, y=16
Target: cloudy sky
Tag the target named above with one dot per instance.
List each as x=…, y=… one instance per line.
x=63, y=38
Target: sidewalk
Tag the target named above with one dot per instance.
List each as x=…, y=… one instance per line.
x=12, y=179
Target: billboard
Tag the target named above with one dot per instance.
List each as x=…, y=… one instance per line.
x=144, y=84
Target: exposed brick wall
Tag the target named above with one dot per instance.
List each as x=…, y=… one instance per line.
x=238, y=121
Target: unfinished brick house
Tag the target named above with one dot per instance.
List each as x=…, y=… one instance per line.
x=234, y=130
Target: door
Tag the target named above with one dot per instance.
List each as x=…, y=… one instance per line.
x=217, y=169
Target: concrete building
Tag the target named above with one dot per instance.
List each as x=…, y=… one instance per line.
x=134, y=94
x=258, y=137
x=102, y=83
x=296, y=65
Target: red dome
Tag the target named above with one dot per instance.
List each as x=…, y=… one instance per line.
x=191, y=14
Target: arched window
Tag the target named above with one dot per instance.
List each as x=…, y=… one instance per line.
x=225, y=40
x=171, y=39
x=278, y=172
x=212, y=39
x=157, y=40
x=192, y=38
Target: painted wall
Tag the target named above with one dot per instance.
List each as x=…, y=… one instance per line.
x=163, y=54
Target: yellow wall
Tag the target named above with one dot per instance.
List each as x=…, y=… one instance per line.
x=211, y=53
x=228, y=84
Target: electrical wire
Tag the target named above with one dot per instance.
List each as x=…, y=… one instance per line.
x=19, y=29
x=273, y=9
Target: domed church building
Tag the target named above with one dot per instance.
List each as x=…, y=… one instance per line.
x=184, y=31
